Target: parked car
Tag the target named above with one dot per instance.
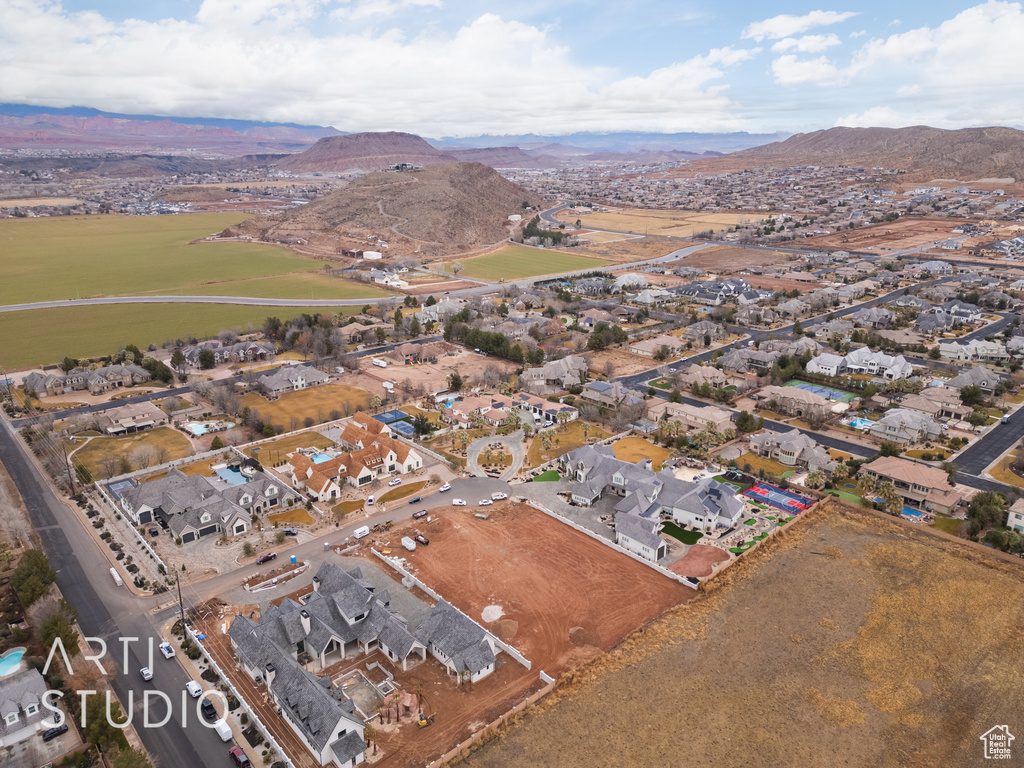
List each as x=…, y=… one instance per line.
x=484, y=503
x=415, y=500
x=445, y=488
x=53, y=733
x=209, y=711
x=194, y=689
x=239, y=758
x=166, y=650
x=421, y=514
x=266, y=558
x=499, y=496
x=369, y=501
x=421, y=539
x=291, y=531
x=154, y=532
x=548, y=424
x=147, y=673
x=458, y=502
x=396, y=481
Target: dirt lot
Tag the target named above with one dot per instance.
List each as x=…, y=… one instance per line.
x=531, y=566
x=437, y=287
x=906, y=232
x=626, y=363
x=779, y=284
x=432, y=376
x=699, y=561
x=725, y=259
x=849, y=640
x=633, y=249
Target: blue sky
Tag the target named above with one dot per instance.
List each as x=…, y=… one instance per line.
x=460, y=68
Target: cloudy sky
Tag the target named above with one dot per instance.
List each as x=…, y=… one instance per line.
x=465, y=67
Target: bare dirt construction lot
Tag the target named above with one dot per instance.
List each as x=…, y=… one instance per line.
x=624, y=363
x=564, y=597
x=849, y=640
x=905, y=232
x=724, y=259
x=469, y=365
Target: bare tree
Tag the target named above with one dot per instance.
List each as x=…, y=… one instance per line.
x=201, y=386
x=608, y=369
x=109, y=465
x=160, y=455
x=142, y=457
x=455, y=267
x=227, y=337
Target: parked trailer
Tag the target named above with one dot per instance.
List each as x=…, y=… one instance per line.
x=117, y=577
x=380, y=363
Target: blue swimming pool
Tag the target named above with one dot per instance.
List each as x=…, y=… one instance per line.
x=10, y=662
x=912, y=512
x=320, y=458
x=858, y=423
x=200, y=428
x=232, y=476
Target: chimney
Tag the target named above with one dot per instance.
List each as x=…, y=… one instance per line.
x=269, y=674
x=304, y=617
x=316, y=583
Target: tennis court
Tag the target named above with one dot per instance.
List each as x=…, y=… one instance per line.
x=119, y=487
x=774, y=496
x=403, y=428
x=391, y=416
x=827, y=392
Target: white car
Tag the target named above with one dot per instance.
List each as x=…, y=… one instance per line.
x=548, y=424
x=195, y=690
x=458, y=502
x=445, y=488
x=484, y=503
x=166, y=650
x=396, y=481
x=499, y=496
x=146, y=673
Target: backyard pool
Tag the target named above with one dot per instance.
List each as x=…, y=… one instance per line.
x=911, y=512
x=10, y=662
x=232, y=475
x=200, y=428
x=320, y=458
x=859, y=423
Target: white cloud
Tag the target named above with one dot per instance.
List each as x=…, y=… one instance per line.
x=876, y=117
x=858, y=33
x=790, y=70
x=908, y=90
x=367, y=9
x=806, y=44
x=786, y=25
x=286, y=60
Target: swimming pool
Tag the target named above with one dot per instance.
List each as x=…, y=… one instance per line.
x=10, y=662
x=232, y=476
x=859, y=423
x=320, y=458
x=200, y=428
x=912, y=512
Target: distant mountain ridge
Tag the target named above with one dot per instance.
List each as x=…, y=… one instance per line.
x=364, y=151
x=965, y=153
x=618, y=141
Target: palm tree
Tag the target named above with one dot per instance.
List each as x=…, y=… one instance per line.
x=815, y=479
x=545, y=441
x=866, y=484
x=887, y=492
x=421, y=699
x=370, y=734
x=841, y=472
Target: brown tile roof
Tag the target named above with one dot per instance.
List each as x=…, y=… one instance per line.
x=909, y=472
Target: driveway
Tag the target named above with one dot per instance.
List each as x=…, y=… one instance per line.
x=513, y=442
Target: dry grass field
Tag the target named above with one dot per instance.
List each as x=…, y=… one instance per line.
x=909, y=232
x=633, y=449
x=629, y=249
x=657, y=222
x=513, y=262
x=846, y=640
x=313, y=402
x=91, y=455
x=728, y=258
x=562, y=442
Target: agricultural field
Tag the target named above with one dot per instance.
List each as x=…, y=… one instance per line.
x=44, y=336
x=161, y=444
x=846, y=639
x=312, y=402
x=513, y=262
x=304, y=285
x=81, y=257
x=658, y=222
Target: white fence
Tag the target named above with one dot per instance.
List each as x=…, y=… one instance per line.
x=406, y=575
x=128, y=524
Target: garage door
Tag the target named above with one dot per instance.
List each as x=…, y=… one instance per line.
x=207, y=530
x=190, y=536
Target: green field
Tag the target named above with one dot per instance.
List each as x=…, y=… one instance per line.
x=515, y=261
x=44, y=336
x=82, y=257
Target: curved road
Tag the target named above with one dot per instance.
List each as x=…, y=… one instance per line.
x=513, y=442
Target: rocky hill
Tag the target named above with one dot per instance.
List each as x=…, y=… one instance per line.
x=438, y=210
x=504, y=157
x=364, y=151
x=969, y=153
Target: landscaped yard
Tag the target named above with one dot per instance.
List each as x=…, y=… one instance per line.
x=30, y=338
x=516, y=261
x=313, y=402
x=400, y=492
x=562, y=442
x=757, y=463
x=348, y=507
x=172, y=443
x=947, y=524
x=633, y=449
x=432, y=416
x=296, y=516
x=685, y=536
x=547, y=476
x=274, y=451
x=1004, y=474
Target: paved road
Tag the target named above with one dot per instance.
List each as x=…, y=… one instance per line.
x=513, y=442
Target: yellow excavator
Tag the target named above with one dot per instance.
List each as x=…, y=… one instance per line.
x=425, y=720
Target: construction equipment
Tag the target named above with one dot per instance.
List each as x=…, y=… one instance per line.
x=388, y=524
x=378, y=528
x=425, y=720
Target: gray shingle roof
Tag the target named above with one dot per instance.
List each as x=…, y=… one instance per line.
x=458, y=637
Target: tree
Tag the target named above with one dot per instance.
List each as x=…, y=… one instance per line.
x=129, y=758
x=888, y=448
x=455, y=382
x=866, y=485
x=934, y=353
x=456, y=267
x=56, y=626
x=745, y=423
x=33, y=577
x=178, y=362
x=97, y=729
x=798, y=330
x=375, y=402
x=972, y=396
x=248, y=549
x=986, y=509
x=890, y=497
x=815, y=479
x=951, y=471
x=207, y=359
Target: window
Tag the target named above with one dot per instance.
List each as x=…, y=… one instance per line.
x=12, y=718
x=31, y=709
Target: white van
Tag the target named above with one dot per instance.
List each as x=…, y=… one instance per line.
x=223, y=729
x=361, y=532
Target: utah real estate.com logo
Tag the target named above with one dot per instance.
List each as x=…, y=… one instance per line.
x=997, y=740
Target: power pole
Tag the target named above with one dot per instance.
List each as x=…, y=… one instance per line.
x=181, y=604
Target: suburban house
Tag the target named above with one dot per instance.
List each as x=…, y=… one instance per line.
x=751, y=314
x=697, y=331
x=651, y=347
x=611, y=394
x=793, y=448
x=827, y=364
x=934, y=321
x=796, y=402
x=975, y=349
x=875, y=317
x=239, y=352
x=437, y=313
x=690, y=417
x=557, y=375
x=650, y=496
x=746, y=360
x=700, y=375
x=791, y=308
x=640, y=535
x=125, y=419
x=938, y=403
x=292, y=379
x=979, y=377
x=22, y=714
x=1014, y=518
x=98, y=381
x=459, y=643
x=592, y=317
x=905, y=427
x=371, y=452
x=409, y=354
x=962, y=311
x=863, y=360
x=191, y=507
x=920, y=485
